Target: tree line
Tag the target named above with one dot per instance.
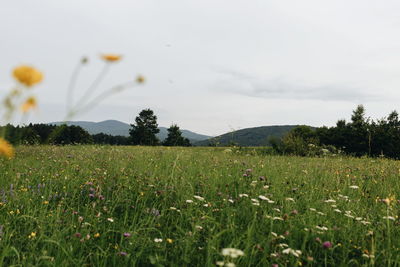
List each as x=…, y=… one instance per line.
x=358, y=137
x=143, y=132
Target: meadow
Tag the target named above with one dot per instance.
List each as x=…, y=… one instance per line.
x=144, y=206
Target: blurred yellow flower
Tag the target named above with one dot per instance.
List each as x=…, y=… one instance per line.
x=111, y=57
x=29, y=104
x=140, y=79
x=6, y=149
x=27, y=75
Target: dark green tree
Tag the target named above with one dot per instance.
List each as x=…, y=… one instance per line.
x=69, y=135
x=175, y=137
x=144, y=131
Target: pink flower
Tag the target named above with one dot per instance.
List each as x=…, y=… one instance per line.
x=327, y=244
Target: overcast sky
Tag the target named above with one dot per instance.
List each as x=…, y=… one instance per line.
x=211, y=65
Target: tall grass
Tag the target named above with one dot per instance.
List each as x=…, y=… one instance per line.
x=107, y=206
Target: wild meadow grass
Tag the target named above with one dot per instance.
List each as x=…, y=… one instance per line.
x=127, y=206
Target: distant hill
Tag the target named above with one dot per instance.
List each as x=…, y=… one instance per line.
x=257, y=136
x=114, y=127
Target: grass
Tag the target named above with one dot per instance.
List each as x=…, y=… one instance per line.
x=107, y=206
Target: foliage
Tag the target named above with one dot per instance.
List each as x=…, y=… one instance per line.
x=175, y=137
x=361, y=136
x=145, y=130
x=67, y=135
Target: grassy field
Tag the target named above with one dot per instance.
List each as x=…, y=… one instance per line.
x=108, y=206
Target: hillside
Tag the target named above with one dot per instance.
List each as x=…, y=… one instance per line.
x=257, y=136
x=114, y=127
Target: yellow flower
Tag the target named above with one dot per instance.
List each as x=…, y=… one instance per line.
x=27, y=75
x=29, y=104
x=111, y=57
x=32, y=235
x=96, y=235
x=140, y=79
x=169, y=240
x=6, y=149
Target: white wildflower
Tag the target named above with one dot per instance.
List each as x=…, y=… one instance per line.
x=199, y=198
x=189, y=201
x=232, y=252
x=295, y=253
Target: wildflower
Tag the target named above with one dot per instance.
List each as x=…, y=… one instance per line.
x=232, y=252
x=263, y=198
x=353, y=187
x=295, y=253
x=140, y=79
x=27, y=75
x=327, y=244
x=389, y=218
x=198, y=227
x=322, y=228
x=170, y=241
x=127, y=234
x=330, y=201
x=111, y=57
x=220, y=263
x=230, y=264
x=78, y=235
x=80, y=218
x=337, y=210
x=45, y=202
x=243, y=195
x=29, y=104
x=294, y=212
x=6, y=149
x=289, y=199
x=32, y=235
x=110, y=219
x=199, y=198
x=122, y=253
x=231, y=200
x=189, y=201
x=158, y=240
x=96, y=235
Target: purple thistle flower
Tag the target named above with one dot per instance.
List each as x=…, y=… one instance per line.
x=327, y=244
x=127, y=234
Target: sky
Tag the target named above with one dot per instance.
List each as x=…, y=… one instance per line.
x=211, y=66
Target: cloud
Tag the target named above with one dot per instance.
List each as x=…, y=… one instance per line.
x=284, y=88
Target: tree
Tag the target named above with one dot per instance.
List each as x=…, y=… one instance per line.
x=69, y=135
x=175, y=137
x=145, y=130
